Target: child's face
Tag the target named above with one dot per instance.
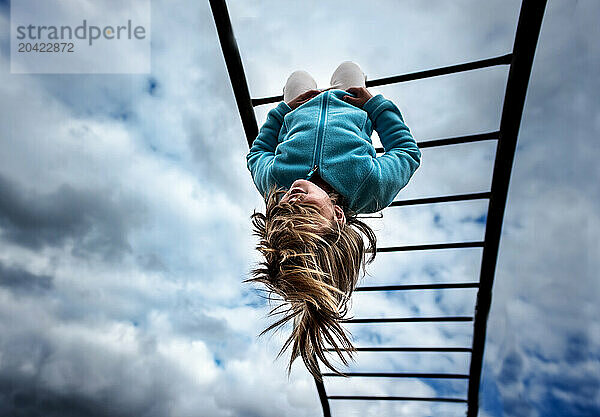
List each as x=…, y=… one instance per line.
x=303, y=191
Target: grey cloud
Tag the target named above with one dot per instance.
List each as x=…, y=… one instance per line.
x=512, y=366
x=151, y=261
x=519, y=406
x=578, y=348
x=535, y=386
x=23, y=395
x=24, y=282
x=95, y=220
x=211, y=143
x=20, y=397
x=113, y=95
x=191, y=321
x=198, y=325
x=45, y=374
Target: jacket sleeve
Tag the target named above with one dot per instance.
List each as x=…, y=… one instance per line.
x=262, y=153
x=392, y=170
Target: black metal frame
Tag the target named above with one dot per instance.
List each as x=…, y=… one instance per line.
x=520, y=62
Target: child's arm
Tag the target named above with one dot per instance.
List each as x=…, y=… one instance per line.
x=391, y=171
x=402, y=157
x=260, y=158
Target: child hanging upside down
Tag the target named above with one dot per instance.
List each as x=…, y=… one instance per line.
x=315, y=165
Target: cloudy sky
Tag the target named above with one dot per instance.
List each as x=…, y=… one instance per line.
x=125, y=205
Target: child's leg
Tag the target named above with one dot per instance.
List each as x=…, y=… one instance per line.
x=348, y=74
x=298, y=82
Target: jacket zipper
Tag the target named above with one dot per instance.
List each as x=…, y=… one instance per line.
x=320, y=134
x=312, y=171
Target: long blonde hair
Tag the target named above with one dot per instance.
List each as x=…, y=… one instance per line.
x=313, y=265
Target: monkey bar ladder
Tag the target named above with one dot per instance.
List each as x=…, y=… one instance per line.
x=520, y=62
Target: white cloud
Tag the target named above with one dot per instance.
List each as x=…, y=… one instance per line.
x=168, y=328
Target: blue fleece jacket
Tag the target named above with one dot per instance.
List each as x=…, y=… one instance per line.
x=333, y=137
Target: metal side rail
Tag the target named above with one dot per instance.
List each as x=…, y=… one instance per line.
x=528, y=30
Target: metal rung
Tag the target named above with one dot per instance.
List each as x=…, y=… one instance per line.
x=467, y=66
x=410, y=319
x=442, y=199
x=376, y=398
x=398, y=375
x=408, y=349
x=419, y=287
x=452, y=69
x=454, y=140
x=476, y=244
